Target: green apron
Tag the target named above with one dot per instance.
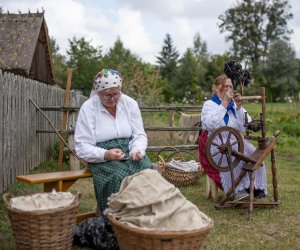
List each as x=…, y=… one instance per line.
x=107, y=176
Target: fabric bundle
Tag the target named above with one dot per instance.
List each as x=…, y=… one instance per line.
x=42, y=201
x=187, y=166
x=146, y=200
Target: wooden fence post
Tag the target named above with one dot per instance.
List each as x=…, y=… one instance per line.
x=65, y=117
x=74, y=102
x=171, y=124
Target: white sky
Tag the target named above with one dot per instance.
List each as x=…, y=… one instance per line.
x=141, y=24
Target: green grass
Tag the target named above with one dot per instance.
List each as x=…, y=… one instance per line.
x=270, y=228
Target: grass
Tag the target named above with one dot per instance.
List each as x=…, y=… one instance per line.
x=270, y=228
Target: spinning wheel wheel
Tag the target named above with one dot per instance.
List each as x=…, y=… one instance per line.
x=225, y=143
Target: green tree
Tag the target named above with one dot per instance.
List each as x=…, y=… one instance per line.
x=84, y=59
x=167, y=64
x=186, y=83
x=280, y=71
x=202, y=59
x=253, y=25
x=59, y=63
x=215, y=67
x=140, y=81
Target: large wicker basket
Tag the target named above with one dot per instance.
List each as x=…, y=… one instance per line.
x=44, y=229
x=138, y=239
x=174, y=176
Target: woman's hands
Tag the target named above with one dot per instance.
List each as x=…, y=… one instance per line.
x=117, y=154
x=136, y=156
x=232, y=95
x=114, y=154
x=238, y=100
x=227, y=98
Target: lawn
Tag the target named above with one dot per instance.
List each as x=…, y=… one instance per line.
x=270, y=228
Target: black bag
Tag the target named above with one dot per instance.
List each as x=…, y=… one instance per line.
x=96, y=233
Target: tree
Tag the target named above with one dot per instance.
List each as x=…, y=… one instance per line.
x=186, y=83
x=253, y=25
x=140, y=81
x=121, y=59
x=167, y=63
x=199, y=48
x=201, y=55
x=84, y=59
x=215, y=67
x=59, y=63
x=280, y=71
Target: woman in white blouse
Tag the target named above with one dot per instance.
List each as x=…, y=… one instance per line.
x=225, y=109
x=110, y=136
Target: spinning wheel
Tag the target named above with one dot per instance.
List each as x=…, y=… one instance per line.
x=216, y=148
x=225, y=150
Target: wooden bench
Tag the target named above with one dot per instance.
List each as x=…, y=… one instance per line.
x=60, y=181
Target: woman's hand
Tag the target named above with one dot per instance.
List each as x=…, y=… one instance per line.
x=227, y=98
x=238, y=100
x=136, y=156
x=114, y=154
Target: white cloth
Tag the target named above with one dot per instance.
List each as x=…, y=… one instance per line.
x=212, y=118
x=42, y=201
x=95, y=124
x=187, y=166
x=146, y=200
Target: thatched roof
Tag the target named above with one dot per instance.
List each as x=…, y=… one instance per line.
x=25, y=46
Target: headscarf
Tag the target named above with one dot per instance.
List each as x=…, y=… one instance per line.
x=107, y=78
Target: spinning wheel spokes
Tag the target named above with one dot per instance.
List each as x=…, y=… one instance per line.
x=221, y=139
x=213, y=155
x=215, y=144
x=220, y=160
x=228, y=137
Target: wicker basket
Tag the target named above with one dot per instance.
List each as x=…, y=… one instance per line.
x=44, y=229
x=138, y=239
x=174, y=176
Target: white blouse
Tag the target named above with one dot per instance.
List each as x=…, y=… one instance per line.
x=212, y=117
x=95, y=124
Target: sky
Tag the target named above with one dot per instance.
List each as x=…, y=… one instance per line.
x=141, y=25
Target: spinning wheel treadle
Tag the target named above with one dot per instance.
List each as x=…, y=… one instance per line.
x=229, y=145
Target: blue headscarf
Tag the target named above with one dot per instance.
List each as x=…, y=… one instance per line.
x=230, y=106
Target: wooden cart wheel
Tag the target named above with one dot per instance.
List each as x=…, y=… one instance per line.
x=222, y=140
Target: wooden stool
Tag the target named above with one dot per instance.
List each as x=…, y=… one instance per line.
x=211, y=189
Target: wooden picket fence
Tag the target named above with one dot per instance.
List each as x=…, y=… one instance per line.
x=21, y=148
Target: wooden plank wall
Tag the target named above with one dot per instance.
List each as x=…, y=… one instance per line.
x=21, y=148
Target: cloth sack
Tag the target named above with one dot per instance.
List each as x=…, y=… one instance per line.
x=42, y=201
x=146, y=200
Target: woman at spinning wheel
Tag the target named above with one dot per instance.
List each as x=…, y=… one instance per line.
x=110, y=136
x=225, y=109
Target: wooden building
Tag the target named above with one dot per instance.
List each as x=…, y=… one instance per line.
x=25, y=46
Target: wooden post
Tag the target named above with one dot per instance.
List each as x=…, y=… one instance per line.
x=171, y=124
x=263, y=108
x=74, y=101
x=274, y=175
x=65, y=117
x=211, y=189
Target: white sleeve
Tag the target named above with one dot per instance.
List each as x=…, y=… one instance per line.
x=139, y=139
x=84, y=138
x=212, y=115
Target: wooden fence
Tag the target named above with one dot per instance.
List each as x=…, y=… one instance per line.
x=27, y=139
x=21, y=148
